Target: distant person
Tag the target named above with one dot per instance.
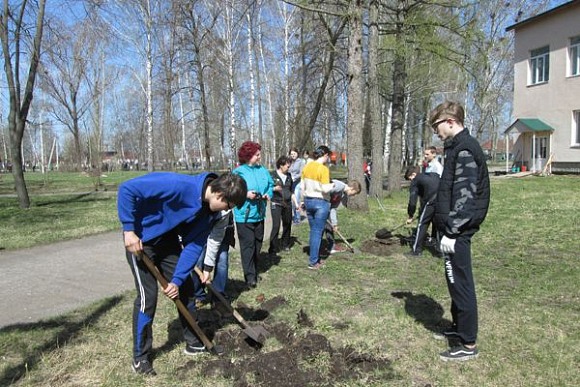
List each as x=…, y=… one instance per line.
x=339, y=194
x=423, y=186
x=307, y=158
x=367, y=175
x=169, y=216
x=461, y=207
x=250, y=217
x=281, y=206
x=316, y=187
x=296, y=167
x=433, y=164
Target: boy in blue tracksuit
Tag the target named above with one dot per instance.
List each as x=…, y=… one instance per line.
x=169, y=217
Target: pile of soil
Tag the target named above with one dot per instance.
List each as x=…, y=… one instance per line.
x=381, y=247
x=301, y=359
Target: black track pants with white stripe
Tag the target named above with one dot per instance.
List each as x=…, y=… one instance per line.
x=462, y=289
x=425, y=216
x=164, y=252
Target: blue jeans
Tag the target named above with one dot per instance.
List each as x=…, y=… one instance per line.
x=220, y=272
x=317, y=211
x=296, y=211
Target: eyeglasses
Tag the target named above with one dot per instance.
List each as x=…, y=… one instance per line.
x=436, y=124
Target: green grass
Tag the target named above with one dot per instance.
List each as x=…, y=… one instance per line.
x=63, y=206
x=66, y=182
x=526, y=269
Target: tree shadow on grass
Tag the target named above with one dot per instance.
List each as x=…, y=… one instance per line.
x=424, y=310
x=69, y=331
x=72, y=199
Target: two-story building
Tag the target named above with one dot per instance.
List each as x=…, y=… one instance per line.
x=546, y=106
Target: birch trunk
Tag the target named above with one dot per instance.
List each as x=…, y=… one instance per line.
x=375, y=107
x=252, y=87
x=149, y=81
x=269, y=94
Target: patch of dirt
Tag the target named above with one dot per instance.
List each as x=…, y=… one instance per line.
x=303, y=319
x=301, y=359
x=381, y=247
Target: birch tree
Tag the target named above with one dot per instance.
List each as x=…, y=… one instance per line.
x=374, y=111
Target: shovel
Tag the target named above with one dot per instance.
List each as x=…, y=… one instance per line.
x=352, y=249
x=385, y=233
x=215, y=349
x=257, y=333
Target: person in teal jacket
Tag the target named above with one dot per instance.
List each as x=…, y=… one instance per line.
x=250, y=217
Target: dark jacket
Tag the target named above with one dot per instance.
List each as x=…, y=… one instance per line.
x=463, y=196
x=283, y=197
x=424, y=186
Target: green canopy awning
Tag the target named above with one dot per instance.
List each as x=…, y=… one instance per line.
x=529, y=125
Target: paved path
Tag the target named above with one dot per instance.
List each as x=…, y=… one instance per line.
x=46, y=281
x=49, y=280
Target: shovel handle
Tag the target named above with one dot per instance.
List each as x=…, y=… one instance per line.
x=222, y=299
x=341, y=236
x=214, y=291
x=182, y=308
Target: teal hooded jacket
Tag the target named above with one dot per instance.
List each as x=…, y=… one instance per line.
x=257, y=179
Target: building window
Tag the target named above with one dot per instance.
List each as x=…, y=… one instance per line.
x=576, y=128
x=574, y=53
x=539, y=65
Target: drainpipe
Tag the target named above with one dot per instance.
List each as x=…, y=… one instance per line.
x=534, y=151
x=507, y=152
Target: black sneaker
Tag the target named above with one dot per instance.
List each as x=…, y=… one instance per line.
x=459, y=353
x=194, y=349
x=143, y=367
x=446, y=333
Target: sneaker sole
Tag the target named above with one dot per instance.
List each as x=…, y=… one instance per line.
x=200, y=352
x=462, y=358
x=150, y=373
x=441, y=336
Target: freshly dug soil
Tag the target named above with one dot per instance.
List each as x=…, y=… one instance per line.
x=300, y=359
x=381, y=247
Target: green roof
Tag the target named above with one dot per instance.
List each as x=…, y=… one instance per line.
x=532, y=124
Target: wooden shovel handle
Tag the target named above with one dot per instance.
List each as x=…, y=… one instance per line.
x=182, y=308
x=222, y=299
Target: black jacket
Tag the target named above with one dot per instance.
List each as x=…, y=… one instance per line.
x=283, y=197
x=424, y=186
x=463, y=196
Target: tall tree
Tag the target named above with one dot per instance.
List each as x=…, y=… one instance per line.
x=355, y=101
x=13, y=30
x=66, y=71
x=374, y=111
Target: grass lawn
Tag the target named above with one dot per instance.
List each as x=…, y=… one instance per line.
x=526, y=268
x=63, y=206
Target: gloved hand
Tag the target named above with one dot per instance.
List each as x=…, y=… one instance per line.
x=447, y=245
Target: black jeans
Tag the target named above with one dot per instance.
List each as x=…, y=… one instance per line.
x=164, y=252
x=250, y=236
x=462, y=290
x=281, y=213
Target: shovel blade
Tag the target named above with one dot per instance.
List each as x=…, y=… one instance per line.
x=257, y=333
